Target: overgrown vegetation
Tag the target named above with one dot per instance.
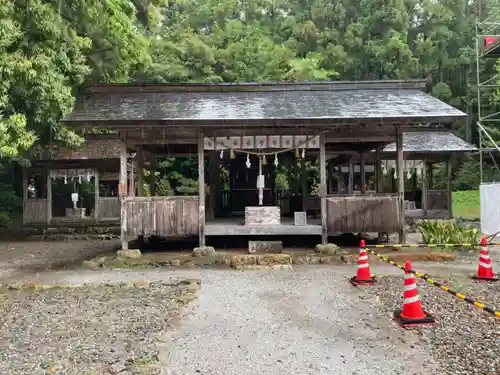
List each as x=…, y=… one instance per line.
x=49, y=48
x=442, y=232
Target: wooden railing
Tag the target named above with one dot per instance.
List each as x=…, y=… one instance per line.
x=362, y=214
x=35, y=211
x=108, y=207
x=160, y=216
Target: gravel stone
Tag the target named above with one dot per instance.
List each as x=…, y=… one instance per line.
x=102, y=328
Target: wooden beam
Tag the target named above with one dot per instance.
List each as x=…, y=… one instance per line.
x=303, y=183
x=350, y=186
x=362, y=172
x=96, y=195
x=450, y=187
x=140, y=173
x=122, y=191
x=379, y=186
x=152, y=176
x=425, y=186
x=201, y=189
x=49, y=197
x=322, y=189
x=400, y=185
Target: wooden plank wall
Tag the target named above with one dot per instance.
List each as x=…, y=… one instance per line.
x=362, y=214
x=108, y=207
x=35, y=210
x=161, y=216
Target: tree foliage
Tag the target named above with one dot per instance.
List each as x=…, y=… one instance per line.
x=49, y=48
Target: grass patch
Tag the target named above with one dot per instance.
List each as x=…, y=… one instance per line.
x=466, y=204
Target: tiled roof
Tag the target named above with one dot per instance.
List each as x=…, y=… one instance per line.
x=431, y=142
x=335, y=103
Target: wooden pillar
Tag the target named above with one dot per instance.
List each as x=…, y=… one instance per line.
x=132, y=177
x=322, y=188
x=431, y=175
x=122, y=192
x=201, y=189
x=425, y=186
x=96, y=195
x=362, y=172
x=49, y=197
x=379, y=186
x=450, y=188
x=140, y=173
x=303, y=183
x=25, y=192
x=350, y=185
x=152, y=177
x=329, y=177
x=213, y=176
x=400, y=184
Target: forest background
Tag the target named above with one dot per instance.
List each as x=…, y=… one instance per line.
x=50, y=48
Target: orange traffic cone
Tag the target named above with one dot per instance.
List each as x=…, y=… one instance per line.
x=485, y=267
x=363, y=274
x=412, y=314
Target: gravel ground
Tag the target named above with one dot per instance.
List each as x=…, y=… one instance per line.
x=98, y=329
x=306, y=321
x=36, y=255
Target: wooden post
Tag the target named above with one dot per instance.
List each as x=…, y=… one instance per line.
x=132, y=177
x=96, y=195
x=431, y=175
x=214, y=175
x=322, y=188
x=25, y=192
x=362, y=172
x=400, y=184
x=379, y=186
x=140, y=173
x=350, y=185
x=152, y=177
x=329, y=177
x=201, y=189
x=450, y=187
x=122, y=192
x=424, y=187
x=49, y=197
x=303, y=183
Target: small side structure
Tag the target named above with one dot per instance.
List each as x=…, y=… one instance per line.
x=77, y=187
x=251, y=128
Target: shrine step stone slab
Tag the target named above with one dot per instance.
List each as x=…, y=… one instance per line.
x=262, y=247
x=262, y=215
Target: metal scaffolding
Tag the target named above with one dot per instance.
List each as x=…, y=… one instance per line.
x=487, y=52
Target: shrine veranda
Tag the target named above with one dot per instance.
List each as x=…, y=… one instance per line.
x=359, y=131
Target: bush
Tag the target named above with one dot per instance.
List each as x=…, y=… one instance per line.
x=444, y=232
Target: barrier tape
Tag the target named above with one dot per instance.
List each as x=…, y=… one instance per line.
x=426, y=245
x=424, y=276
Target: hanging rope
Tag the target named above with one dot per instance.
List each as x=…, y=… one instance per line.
x=299, y=145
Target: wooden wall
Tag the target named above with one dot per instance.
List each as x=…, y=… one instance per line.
x=109, y=207
x=35, y=210
x=161, y=216
x=362, y=214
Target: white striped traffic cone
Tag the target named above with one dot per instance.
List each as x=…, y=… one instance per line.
x=485, y=267
x=412, y=314
x=363, y=274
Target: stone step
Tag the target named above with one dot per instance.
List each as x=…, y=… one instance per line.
x=262, y=247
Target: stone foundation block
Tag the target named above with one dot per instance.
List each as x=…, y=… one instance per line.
x=203, y=251
x=130, y=254
x=262, y=247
